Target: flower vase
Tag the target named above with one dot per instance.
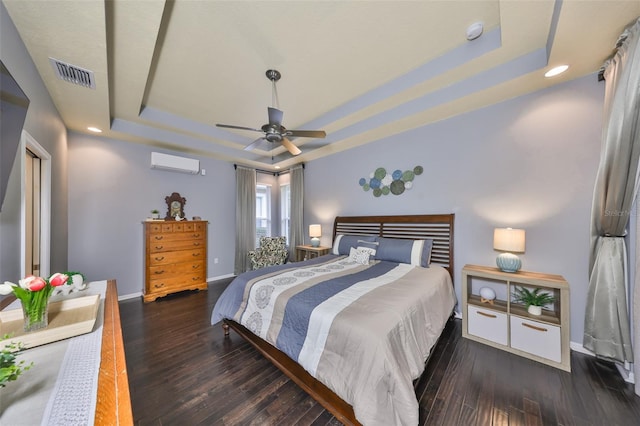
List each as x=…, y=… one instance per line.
x=36, y=315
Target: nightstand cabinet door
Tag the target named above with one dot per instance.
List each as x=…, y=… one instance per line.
x=536, y=338
x=488, y=324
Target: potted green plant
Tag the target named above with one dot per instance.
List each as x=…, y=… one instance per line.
x=155, y=214
x=534, y=299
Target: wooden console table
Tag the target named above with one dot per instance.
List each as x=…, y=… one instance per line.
x=113, y=402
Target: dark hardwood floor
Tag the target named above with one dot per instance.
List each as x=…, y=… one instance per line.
x=182, y=371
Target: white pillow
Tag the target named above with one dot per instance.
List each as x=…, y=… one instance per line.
x=368, y=246
x=359, y=256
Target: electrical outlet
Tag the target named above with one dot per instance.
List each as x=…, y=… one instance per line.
x=203, y=172
x=215, y=260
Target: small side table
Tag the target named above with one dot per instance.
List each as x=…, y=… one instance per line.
x=309, y=252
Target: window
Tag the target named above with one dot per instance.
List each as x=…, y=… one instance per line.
x=285, y=210
x=263, y=212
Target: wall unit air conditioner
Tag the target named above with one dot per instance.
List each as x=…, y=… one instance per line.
x=174, y=163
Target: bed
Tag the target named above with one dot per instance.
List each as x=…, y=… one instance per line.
x=353, y=328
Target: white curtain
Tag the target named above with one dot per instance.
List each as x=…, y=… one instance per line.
x=296, y=233
x=630, y=45
x=245, y=217
x=607, y=327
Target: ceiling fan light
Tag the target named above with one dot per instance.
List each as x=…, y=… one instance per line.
x=274, y=131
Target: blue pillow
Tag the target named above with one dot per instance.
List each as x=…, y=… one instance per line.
x=343, y=243
x=413, y=252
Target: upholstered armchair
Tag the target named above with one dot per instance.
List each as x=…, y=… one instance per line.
x=272, y=251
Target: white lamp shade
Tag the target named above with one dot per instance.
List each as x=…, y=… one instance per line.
x=315, y=231
x=509, y=240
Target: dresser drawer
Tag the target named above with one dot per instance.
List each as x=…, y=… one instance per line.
x=487, y=324
x=176, y=257
x=158, y=227
x=181, y=282
x=175, y=269
x=536, y=338
x=175, y=236
x=164, y=246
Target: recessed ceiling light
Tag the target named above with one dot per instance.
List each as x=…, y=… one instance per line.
x=556, y=70
x=94, y=129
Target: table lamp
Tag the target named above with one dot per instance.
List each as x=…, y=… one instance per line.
x=508, y=240
x=315, y=232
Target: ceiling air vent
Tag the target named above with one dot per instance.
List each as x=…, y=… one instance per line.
x=73, y=74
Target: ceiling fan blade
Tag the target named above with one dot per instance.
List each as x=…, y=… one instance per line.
x=307, y=133
x=294, y=150
x=228, y=126
x=253, y=145
x=275, y=116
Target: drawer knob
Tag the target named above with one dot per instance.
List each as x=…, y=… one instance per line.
x=159, y=258
x=196, y=235
x=159, y=237
x=534, y=327
x=159, y=247
x=158, y=285
x=194, y=278
x=486, y=315
x=195, y=254
x=196, y=244
x=195, y=266
x=159, y=272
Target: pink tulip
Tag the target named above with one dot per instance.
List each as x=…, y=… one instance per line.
x=33, y=283
x=58, y=279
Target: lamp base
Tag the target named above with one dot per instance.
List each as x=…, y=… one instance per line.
x=315, y=242
x=508, y=262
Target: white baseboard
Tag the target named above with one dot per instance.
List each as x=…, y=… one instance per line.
x=627, y=374
x=130, y=296
x=575, y=346
x=626, y=370
x=220, y=277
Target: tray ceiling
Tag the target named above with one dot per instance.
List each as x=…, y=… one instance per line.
x=167, y=71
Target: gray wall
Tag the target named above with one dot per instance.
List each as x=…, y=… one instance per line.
x=529, y=162
x=45, y=125
x=112, y=189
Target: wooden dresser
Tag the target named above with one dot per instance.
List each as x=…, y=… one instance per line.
x=175, y=257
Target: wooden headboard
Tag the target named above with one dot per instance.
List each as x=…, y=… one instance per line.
x=438, y=227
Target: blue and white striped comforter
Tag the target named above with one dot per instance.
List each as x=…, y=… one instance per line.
x=364, y=331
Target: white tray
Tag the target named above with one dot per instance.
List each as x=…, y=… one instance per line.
x=67, y=318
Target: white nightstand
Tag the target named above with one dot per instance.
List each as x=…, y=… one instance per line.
x=507, y=325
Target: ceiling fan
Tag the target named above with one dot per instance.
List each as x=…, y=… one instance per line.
x=274, y=131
